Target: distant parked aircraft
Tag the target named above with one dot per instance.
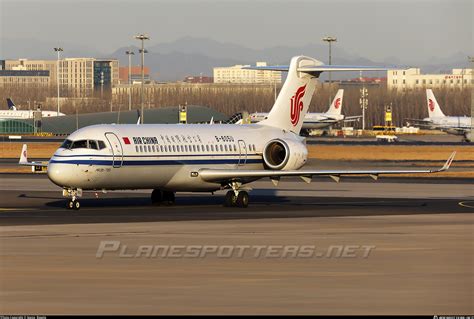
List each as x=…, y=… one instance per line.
x=14, y=114
x=318, y=120
x=436, y=120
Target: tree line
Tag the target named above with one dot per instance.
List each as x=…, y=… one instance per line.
x=230, y=99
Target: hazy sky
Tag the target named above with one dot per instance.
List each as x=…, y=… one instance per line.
x=411, y=30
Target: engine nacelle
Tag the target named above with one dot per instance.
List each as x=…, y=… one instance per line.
x=284, y=155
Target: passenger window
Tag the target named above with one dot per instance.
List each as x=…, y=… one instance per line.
x=235, y=148
x=222, y=148
x=207, y=148
x=149, y=148
x=174, y=149
x=141, y=149
x=136, y=148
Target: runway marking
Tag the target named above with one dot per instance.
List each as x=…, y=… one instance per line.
x=16, y=209
x=469, y=204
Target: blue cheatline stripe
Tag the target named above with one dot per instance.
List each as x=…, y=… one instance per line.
x=156, y=155
x=160, y=162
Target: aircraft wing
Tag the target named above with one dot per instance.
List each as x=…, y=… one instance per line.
x=419, y=121
x=24, y=159
x=352, y=118
x=227, y=175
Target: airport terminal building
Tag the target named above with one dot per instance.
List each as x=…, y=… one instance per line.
x=238, y=75
x=413, y=79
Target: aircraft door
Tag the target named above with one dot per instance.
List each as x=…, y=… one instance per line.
x=242, y=153
x=117, y=149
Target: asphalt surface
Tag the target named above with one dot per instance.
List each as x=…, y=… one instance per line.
x=420, y=232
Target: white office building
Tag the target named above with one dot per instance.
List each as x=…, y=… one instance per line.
x=412, y=79
x=236, y=74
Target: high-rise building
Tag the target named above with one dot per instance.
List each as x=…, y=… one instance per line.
x=80, y=75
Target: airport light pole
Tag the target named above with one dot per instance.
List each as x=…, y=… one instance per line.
x=471, y=59
x=129, y=53
x=364, y=102
x=142, y=37
x=58, y=51
x=330, y=40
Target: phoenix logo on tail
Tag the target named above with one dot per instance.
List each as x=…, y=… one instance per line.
x=431, y=105
x=337, y=103
x=297, y=105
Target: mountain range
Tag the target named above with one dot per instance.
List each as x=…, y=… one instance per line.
x=171, y=61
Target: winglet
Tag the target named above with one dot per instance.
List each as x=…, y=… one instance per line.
x=448, y=162
x=24, y=155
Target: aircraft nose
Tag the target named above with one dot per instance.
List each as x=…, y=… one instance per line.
x=57, y=174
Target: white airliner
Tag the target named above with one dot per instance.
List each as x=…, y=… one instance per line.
x=436, y=120
x=314, y=121
x=14, y=114
x=170, y=158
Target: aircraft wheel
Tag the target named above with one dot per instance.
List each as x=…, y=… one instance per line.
x=168, y=198
x=230, y=199
x=156, y=196
x=76, y=204
x=70, y=204
x=243, y=199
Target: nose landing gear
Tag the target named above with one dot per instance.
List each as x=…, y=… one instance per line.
x=73, y=203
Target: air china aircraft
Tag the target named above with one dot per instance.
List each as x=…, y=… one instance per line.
x=314, y=121
x=14, y=114
x=171, y=158
x=436, y=120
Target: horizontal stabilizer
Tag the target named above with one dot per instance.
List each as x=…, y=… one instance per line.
x=316, y=70
x=24, y=159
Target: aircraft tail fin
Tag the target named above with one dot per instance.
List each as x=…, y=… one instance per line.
x=433, y=107
x=295, y=96
x=10, y=104
x=24, y=155
x=336, y=105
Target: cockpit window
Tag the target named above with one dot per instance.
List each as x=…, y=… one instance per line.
x=79, y=144
x=93, y=145
x=66, y=144
x=90, y=144
x=101, y=145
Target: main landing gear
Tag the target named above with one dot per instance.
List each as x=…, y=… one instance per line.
x=239, y=200
x=162, y=197
x=236, y=197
